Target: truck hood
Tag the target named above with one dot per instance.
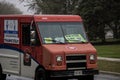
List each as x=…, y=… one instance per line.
x=69, y=48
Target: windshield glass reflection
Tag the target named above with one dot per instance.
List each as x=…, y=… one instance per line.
x=66, y=32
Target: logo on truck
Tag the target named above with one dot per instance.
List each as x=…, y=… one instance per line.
x=11, y=31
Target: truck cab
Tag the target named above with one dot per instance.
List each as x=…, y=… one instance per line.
x=66, y=50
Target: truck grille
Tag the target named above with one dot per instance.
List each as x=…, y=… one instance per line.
x=76, y=61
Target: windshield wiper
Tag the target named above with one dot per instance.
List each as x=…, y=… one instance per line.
x=49, y=40
x=56, y=41
x=76, y=41
x=83, y=42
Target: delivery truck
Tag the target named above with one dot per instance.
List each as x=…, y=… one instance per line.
x=46, y=47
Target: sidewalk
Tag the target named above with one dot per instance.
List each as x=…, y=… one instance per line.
x=109, y=59
x=111, y=73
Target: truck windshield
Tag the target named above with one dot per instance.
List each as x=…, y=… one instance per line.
x=62, y=32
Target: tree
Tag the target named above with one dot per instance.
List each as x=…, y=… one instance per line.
x=92, y=12
x=114, y=17
x=99, y=13
x=53, y=6
x=7, y=8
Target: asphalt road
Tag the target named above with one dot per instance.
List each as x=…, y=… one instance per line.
x=97, y=77
x=107, y=77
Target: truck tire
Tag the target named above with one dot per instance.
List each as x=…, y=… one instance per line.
x=59, y=78
x=40, y=74
x=90, y=77
x=2, y=76
x=87, y=77
x=0, y=72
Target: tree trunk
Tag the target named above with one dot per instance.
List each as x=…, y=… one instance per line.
x=102, y=33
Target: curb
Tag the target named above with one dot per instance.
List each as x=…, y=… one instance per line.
x=109, y=59
x=111, y=73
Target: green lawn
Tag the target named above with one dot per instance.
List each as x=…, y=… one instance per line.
x=109, y=66
x=112, y=51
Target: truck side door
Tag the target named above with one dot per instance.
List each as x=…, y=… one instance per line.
x=28, y=65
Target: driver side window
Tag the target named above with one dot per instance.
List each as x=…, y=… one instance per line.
x=26, y=34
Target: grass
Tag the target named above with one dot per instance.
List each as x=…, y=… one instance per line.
x=109, y=66
x=110, y=51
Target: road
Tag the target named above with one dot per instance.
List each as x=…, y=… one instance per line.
x=97, y=77
x=106, y=77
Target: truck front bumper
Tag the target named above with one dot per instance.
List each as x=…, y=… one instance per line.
x=72, y=73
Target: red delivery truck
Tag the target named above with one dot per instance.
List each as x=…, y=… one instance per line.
x=45, y=47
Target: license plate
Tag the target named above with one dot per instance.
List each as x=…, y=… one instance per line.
x=76, y=73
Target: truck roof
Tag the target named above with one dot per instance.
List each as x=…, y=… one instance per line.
x=57, y=18
x=45, y=18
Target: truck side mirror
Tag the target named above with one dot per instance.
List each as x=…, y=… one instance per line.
x=32, y=37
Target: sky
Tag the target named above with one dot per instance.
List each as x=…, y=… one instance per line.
x=20, y=5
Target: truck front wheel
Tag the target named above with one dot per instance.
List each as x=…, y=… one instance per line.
x=87, y=77
x=40, y=74
x=0, y=72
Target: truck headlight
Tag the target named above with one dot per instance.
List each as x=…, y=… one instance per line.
x=92, y=57
x=59, y=58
